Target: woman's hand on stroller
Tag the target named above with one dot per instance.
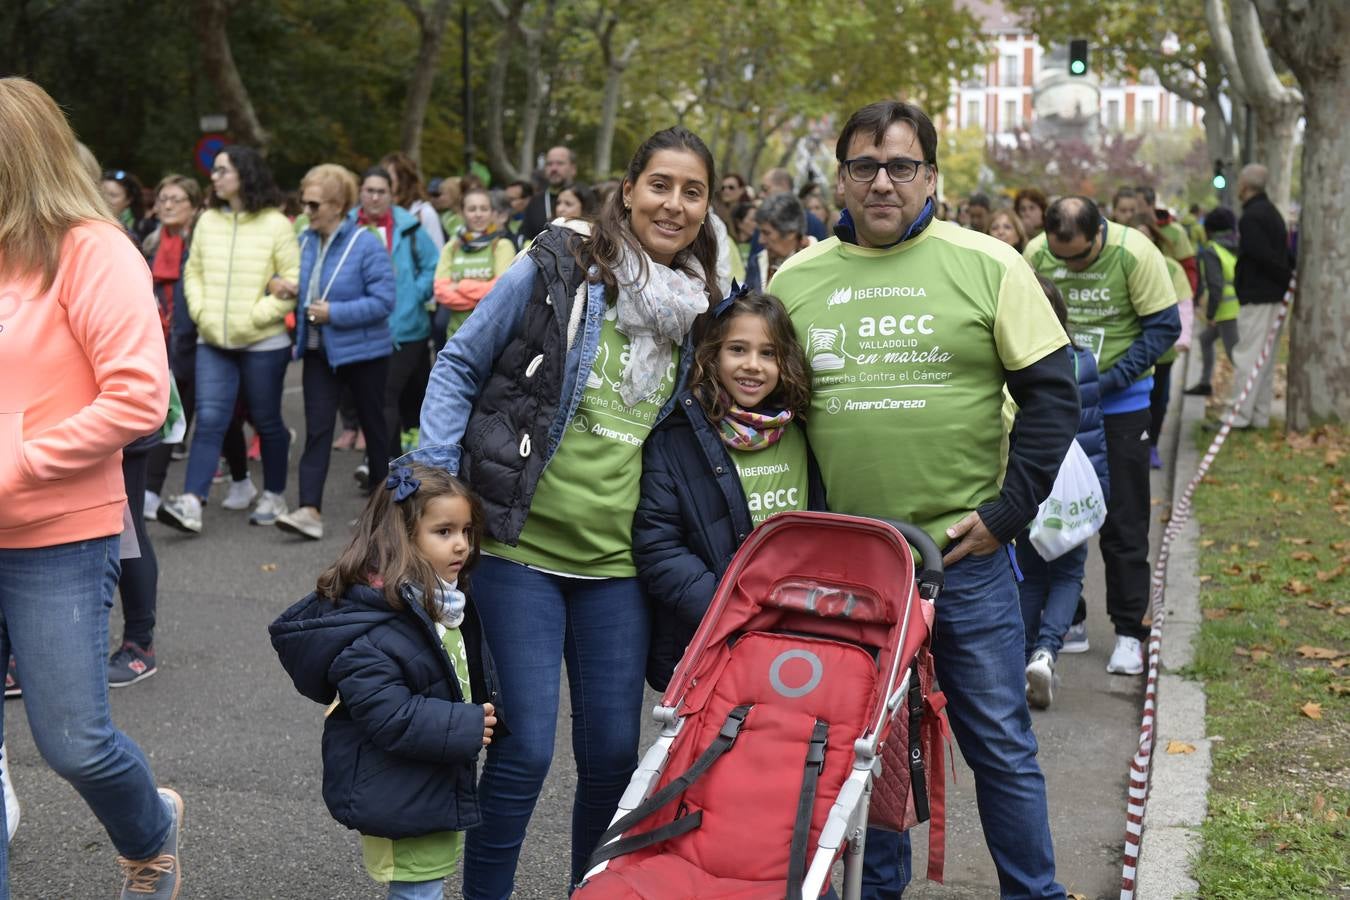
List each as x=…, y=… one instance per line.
x=489, y=720
x=972, y=538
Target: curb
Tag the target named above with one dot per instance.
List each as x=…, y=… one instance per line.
x=1179, y=788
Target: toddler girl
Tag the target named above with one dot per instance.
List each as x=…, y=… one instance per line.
x=730, y=455
x=391, y=641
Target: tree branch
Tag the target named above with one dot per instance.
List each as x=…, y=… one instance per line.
x=1221, y=38
x=1257, y=70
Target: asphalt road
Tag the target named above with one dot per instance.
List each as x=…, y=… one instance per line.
x=221, y=723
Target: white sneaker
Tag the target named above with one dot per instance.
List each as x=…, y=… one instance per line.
x=269, y=509
x=1127, y=658
x=11, y=798
x=1041, y=679
x=183, y=512
x=151, y=511
x=1076, y=639
x=304, y=522
x=240, y=495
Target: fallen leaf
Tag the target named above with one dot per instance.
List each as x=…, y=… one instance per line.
x=1340, y=610
x=268, y=567
x=1212, y=614
x=1339, y=688
x=1255, y=578
x=1340, y=545
x=1282, y=846
x=1253, y=543
x=1180, y=747
x=1307, y=651
x=1206, y=578
x=1320, y=604
x=1282, y=622
x=1331, y=574
x=1340, y=663
x=1331, y=815
x=1298, y=540
x=1302, y=556
x=1296, y=587
x=1277, y=497
x=1311, y=710
x=1339, y=508
x=1258, y=654
x=1240, y=651
x=1234, y=569
x=1209, y=542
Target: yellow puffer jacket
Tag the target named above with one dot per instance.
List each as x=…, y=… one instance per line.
x=233, y=257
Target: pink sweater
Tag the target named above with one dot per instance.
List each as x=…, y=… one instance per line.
x=83, y=373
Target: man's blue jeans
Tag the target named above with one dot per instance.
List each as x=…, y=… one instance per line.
x=220, y=376
x=533, y=622
x=978, y=653
x=54, y=604
x=1049, y=594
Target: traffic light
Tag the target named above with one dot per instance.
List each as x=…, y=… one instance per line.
x=1078, y=57
x=1220, y=182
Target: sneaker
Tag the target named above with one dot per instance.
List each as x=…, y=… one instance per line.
x=160, y=876
x=1154, y=459
x=269, y=509
x=151, y=510
x=1127, y=658
x=12, y=809
x=362, y=475
x=131, y=664
x=222, y=472
x=1076, y=639
x=1199, y=390
x=183, y=512
x=303, y=521
x=346, y=440
x=12, y=686
x=241, y=494
x=179, y=452
x=1041, y=679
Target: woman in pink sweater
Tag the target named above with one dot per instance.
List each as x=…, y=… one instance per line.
x=83, y=373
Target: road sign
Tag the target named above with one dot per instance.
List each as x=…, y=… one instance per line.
x=208, y=147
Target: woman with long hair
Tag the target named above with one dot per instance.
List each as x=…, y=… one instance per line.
x=85, y=373
x=1007, y=226
x=542, y=401
x=410, y=194
x=240, y=282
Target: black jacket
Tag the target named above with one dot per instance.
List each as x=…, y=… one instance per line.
x=523, y=393
x=539, y=212
x=1263, y=268
x=400, y=750
x=691, y=518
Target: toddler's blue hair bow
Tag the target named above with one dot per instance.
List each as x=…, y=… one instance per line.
x=402, y=483
x=736, y=293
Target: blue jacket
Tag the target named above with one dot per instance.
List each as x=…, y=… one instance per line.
x=463, y=367
x=691, y=518
x=1091, y=427
x=360, y=294
x=415, y=259
x=400, y=749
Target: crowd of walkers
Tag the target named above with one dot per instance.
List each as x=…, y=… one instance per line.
x=588, y=396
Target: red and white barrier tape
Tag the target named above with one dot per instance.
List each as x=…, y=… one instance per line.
x=1140, y=766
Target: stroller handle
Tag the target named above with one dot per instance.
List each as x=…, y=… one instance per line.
x=930, y=576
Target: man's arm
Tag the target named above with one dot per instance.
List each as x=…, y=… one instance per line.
x=1160, y=331
x=1047, y=395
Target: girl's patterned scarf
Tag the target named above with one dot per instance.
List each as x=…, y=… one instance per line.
x=743, y=429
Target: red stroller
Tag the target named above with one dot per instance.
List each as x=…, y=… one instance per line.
x=776, y=717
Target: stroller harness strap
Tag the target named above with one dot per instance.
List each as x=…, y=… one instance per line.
x=683, y=824
x=806, y=801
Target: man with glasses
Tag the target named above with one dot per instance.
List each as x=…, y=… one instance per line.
x=912, y=328
x=1123, y=308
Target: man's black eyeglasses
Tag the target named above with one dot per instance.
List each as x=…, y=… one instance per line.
x=864, y=169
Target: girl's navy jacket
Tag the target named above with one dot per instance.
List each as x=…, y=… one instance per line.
x=400, y=750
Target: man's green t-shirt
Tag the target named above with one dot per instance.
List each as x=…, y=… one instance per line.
x=907, y=347
x=1126, y=282
x=774, y=478
x=581, y=517
x=1178, y=241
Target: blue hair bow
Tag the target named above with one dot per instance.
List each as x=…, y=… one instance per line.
x=737, y=292
x=402, y=483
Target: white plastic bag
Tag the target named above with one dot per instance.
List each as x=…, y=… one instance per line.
x=1075, y=509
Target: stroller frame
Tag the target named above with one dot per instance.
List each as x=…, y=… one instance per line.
x=847, y=819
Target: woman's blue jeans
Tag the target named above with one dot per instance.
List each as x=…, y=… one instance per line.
x=535, y=622
x=221, y=374
x=54, y=604
x=1049, y=594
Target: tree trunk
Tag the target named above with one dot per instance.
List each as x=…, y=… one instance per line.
x=211, y=19
x=498, y=159
x=431, y=20
x=1277, y=108
x=1310, y=35
x=615, y=64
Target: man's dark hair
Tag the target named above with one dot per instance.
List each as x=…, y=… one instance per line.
x=1219, y=220
x=1070, y=217
x=876, y=118
x=978, y=200
x=1123, y=193
x=526, y=189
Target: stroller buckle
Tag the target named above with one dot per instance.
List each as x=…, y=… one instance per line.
x=732, y=726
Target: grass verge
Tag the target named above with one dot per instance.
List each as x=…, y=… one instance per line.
x=1274, y=652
